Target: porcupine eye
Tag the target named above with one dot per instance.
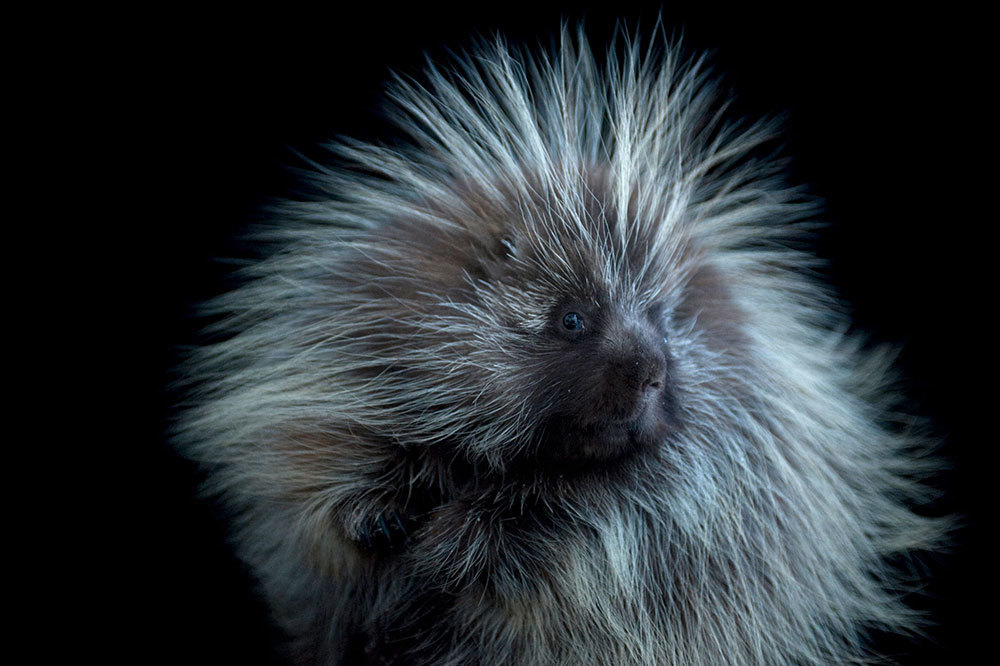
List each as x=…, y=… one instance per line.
x=571, y=326
x=573, y=322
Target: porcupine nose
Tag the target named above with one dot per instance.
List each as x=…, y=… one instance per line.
x=653, y=381
x=652, y=376
x=638, y=374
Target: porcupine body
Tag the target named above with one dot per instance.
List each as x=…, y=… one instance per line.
x=549, y=385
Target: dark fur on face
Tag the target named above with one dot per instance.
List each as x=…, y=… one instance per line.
x=612, y=392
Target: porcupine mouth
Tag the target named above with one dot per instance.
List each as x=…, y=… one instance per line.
x=600, y=442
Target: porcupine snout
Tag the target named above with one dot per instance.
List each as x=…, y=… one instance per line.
x=620, y=399
x=635, y=375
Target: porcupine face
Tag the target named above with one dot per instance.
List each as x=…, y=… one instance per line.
x=528, y=334
x=601, y=362
x=609, y=381
x=597, y=372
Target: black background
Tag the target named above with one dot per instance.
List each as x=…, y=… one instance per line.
x=192, y=120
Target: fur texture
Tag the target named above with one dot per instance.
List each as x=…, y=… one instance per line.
x=549, y=384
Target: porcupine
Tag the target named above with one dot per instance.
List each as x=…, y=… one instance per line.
x=548, y=382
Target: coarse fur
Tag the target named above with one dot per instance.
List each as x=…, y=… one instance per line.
x=549, y=383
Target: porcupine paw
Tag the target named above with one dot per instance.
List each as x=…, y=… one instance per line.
x=387, y=532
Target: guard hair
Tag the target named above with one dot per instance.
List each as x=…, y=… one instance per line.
x=552, y=380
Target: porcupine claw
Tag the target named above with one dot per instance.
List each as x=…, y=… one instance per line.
x=388, y=531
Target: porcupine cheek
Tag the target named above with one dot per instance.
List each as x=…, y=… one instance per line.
x=620, y=402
